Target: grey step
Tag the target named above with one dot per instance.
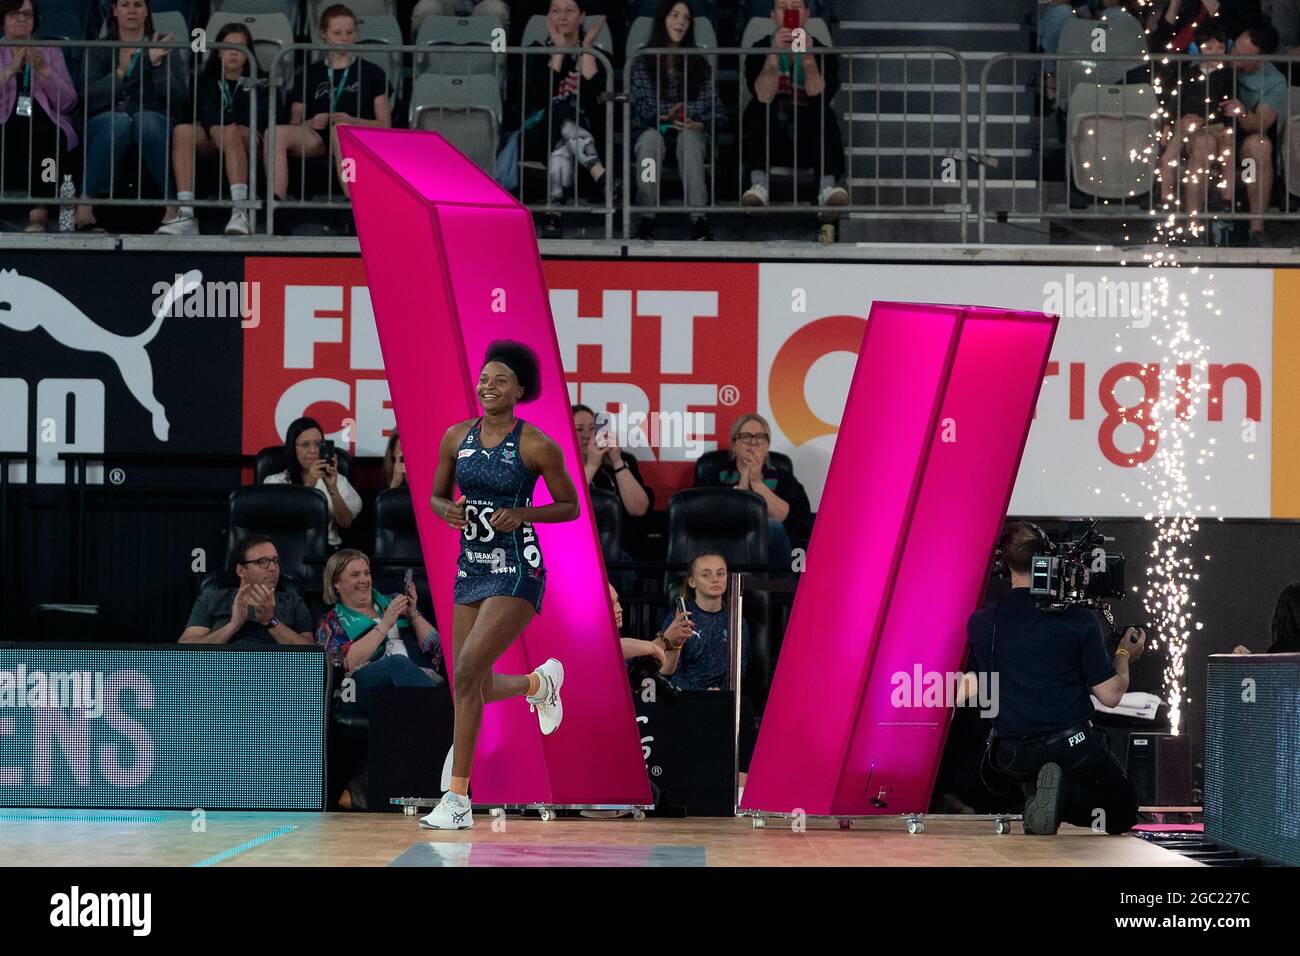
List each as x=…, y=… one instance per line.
x=926, y=167
x=982, y=37
x=922, y=101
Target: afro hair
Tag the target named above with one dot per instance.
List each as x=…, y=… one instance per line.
x=521, y=360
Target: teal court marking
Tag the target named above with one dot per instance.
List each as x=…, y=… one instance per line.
x=244, y=847
x=78, y=816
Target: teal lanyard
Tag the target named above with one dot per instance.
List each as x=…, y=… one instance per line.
x=227, y=98
x=336, y=93
x=27, y=78
x=134, y=60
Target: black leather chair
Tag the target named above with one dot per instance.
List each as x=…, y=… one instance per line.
x=712, y=463
x=608, y=510
x=270, y=461
x=396, y=536
x=730, y=522
x=296, y=518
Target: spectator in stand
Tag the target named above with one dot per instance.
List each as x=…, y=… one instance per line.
x=789, y=122
x=564, y=122
x=134, y=96
x=380, y=641
x=221, y=128
x=459, y=8
x=253, y=613
x=340, y=89
x=1050, y=25
x=1258, y=110
x=697, y=644
x=394, y=463
x=674, y=101
x=608, y=466
x=37, y=101
x=302, y=446
x=1196, y=103
x=633, y=648
x=789, y=515
x=1174, y=30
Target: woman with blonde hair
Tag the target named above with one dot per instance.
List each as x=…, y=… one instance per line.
x=379, y=640
x=751, y=468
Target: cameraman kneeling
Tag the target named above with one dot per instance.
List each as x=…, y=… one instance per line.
x=1047, y=660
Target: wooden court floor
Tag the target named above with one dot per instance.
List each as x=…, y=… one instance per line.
x=227, y=838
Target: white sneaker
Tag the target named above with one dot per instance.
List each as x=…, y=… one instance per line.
x=755, y=195
x=547, y=704
x=180, y=226
x=834, y=196
x=240, y=226
x=453, y=812
x=446, y=770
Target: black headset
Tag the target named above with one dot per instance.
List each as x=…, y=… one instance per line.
x=1003, y=571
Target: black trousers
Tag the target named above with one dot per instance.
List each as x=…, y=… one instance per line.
x=773, y=137
x=1093, y=779
x=26, y=142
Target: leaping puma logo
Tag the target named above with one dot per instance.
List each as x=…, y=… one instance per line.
x=26, y=305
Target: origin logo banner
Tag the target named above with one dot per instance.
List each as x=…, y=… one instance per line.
x=162, y=727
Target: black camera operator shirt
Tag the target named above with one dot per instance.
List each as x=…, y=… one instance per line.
x=1046, y=663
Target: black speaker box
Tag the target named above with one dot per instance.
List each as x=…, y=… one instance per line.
x=1160, y=766
x=410, y=733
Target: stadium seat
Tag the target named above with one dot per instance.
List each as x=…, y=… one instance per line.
x=288, y=7
x=730, y=522
x=709, y=465
x=396, y=536
x=1291, y=154
x=186, y=8
x=271, y=33
x=464, y=109
x=535, y=32
x=270, y=461
x=296, y=518
x=361, y=8
x=608, y=512
x=1123, y=35
x=457, y=31
x=69, y=19
x=1111, y=127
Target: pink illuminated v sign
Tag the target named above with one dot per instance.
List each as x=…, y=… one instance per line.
x=452, y=264
x=927, y=453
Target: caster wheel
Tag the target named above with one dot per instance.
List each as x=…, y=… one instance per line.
x=759, y=823
x=846, y=824
x=547, y=815
x=410, y=811
x=497, y=812
x=638, y=814
x=1001, y=827
x=826, y=235
x=915, y=826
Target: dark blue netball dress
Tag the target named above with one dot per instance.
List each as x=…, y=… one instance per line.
x=496, y=562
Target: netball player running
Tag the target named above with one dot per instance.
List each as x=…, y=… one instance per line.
x=494, y=461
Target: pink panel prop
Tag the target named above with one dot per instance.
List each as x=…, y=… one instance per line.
x=937, y=416
x=452, y=264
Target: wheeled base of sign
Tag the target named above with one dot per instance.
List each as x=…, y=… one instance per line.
x=915, y=822
x=411, y=806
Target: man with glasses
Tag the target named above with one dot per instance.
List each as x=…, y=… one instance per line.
x=252, y=613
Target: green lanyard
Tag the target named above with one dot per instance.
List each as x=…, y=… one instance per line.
x=131, y=69
x=336, y=93
x=227, y=98
x=27, y=78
